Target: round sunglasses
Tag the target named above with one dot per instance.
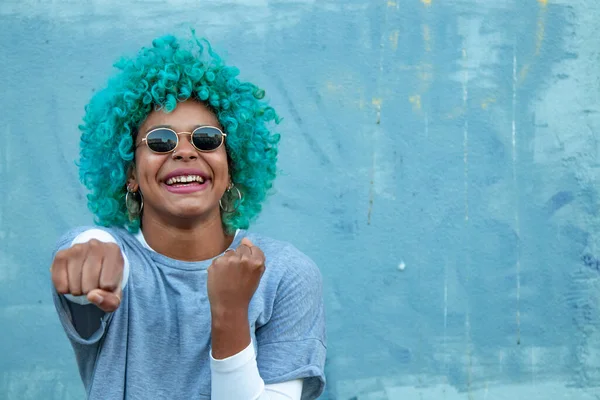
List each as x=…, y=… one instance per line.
x=164, y=140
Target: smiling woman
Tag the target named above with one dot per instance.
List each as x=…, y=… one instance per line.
x=171, y=296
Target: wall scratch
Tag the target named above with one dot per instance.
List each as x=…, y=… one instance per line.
x=465, y=99
x=516, y=190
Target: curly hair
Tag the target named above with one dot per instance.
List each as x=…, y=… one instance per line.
x=172, y=71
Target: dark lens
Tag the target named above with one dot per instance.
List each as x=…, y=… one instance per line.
x=207, y=138
x=162, y=140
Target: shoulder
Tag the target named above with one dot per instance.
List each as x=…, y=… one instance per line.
x=286, y=261
x=85, y=233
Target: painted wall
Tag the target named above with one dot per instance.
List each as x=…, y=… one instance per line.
x=439, y=161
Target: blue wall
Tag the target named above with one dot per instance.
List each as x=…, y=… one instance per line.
x=439, y=161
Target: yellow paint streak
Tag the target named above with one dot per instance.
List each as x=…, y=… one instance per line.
x=486, y=103
x=541, y=30
x=426, y=2
x=377, y=101
x=391, y=3
x=415, y=101
x=427, y=37
x=540, y=33
x=394, y=38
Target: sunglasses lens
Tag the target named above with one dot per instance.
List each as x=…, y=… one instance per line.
x=162, y=140
x=207, y=138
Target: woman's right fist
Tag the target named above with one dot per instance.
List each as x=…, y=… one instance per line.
x=94, y=269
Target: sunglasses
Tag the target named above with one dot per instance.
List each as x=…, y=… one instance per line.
x=165, y=140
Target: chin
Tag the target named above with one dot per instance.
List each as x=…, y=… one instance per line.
x=191, y=212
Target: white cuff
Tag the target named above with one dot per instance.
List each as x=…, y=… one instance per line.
x=105, y=237
x=237, y=377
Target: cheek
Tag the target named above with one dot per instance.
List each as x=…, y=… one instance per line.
x=219, y=165
x=147, y=167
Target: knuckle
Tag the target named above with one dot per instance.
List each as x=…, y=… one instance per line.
x=61, y=256
x=79, y=249
x=246, y=260
x=59, y=284
x=112, y=247
x=94, y=244
x=219, y=262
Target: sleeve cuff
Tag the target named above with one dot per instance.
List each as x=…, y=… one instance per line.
x=233, y=362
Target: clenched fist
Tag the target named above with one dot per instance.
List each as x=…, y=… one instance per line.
x=234, y=277
x=94, y=269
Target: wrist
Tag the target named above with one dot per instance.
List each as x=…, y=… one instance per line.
x=230, y=332
x=224, y=317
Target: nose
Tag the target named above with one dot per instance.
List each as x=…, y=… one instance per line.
x=185, y=150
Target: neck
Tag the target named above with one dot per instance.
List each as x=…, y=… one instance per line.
x=187, y=241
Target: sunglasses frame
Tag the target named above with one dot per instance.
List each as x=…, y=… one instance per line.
x=145, y=139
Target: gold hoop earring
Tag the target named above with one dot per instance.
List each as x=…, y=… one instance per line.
x=134, y=205
x=228, y=193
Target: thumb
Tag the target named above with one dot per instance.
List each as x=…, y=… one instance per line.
x=104, y=300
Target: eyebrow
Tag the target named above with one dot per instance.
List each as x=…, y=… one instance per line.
x=158, y=126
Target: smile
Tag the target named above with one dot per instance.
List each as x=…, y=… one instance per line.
x=185, y=184
x=185, y=180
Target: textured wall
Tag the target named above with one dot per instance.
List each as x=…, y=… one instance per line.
x=439, y=162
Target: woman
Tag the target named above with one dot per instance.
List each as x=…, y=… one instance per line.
x=170, y=297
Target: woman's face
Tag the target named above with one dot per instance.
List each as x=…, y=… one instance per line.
x=164, y=197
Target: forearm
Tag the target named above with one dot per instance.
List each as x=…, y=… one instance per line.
x=233, y=362
x=237, y=377
x=230, y=332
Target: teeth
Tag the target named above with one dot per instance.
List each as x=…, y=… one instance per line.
x=185, y=179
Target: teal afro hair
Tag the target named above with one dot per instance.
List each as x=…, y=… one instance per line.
x=172, y=71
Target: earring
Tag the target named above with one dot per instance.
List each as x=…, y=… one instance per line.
x=134, y=203
x=229, y=194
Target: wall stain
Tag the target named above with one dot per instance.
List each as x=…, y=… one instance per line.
x=558, y=201
x=591, y=262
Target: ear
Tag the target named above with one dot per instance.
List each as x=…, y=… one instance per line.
x=132, y=183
